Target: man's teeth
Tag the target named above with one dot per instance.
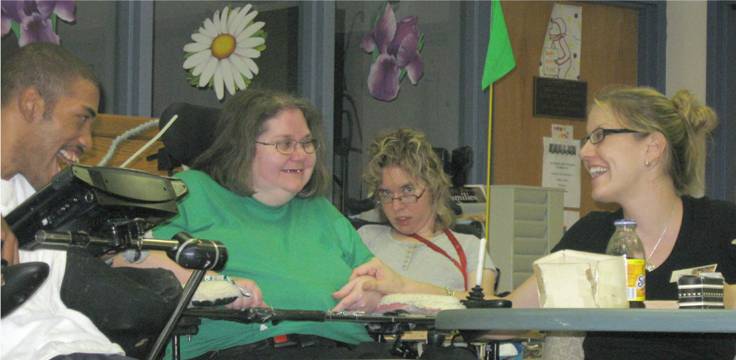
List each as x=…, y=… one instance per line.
x=69, y=156
x=597, y=170
x=294, y=171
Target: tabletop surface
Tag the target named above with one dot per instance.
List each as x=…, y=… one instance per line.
x=639, y=320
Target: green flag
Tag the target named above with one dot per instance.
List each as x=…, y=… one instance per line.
x=500, y=56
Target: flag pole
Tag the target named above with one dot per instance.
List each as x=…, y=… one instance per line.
x=499, y=62
x=488, y=163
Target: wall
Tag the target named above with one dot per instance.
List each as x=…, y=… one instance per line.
x=686, y=47
x=95, y=43
x=686, y=51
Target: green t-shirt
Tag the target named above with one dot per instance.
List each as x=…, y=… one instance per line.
x=298, y=254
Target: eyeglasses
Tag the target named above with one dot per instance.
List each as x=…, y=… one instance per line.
x=286, y=147
x=597, y=135
x=387, y=198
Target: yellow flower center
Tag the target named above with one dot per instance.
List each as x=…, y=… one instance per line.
x=223, y=46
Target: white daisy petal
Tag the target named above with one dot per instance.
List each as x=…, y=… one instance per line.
x=199, y=68
x=216, y=21
x=197, y=47
x=246, y=21
x=238, y=77
x=208, y=71
x=206, y=35
x=197, y=59
x=251, y=42
x=245, y=10
x=209, y=28
x=201, y=38
x=223, y=20
x=250, y=30
x=251, y=66
x=219, y=91
x=241, y=66
x=247, y=52
x=240, y=82
x=240, y=22
x=227, y=75
x=233, y=19
x=242, y=19
x=248, y=18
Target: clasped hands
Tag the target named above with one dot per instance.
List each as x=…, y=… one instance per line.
x=367, y=285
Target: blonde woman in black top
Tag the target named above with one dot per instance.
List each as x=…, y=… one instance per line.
x=645, y=152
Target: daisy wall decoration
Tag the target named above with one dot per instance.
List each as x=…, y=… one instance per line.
x=224, y=48
x=34, y=21
x=395, y=48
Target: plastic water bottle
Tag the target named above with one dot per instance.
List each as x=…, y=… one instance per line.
x=625, y=242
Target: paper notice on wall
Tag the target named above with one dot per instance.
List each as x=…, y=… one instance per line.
x=561, y=168
x=561, y=51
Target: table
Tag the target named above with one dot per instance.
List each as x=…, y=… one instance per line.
x=637, y=320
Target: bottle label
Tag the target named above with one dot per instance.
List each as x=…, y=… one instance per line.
x=635, y=279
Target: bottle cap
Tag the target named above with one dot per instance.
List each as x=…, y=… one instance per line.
x=624, y=222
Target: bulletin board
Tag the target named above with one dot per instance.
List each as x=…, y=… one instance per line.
x=109, y=126
x=609, y=57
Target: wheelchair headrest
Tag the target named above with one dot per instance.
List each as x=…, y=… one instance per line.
x=189, y=136
x=462, y=161
x=456, y=165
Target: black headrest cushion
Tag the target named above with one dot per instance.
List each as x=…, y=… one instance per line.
x=189, y=136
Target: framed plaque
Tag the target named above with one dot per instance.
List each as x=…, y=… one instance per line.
x=560, y=98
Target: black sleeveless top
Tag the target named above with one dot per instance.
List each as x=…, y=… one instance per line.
x=706, y=235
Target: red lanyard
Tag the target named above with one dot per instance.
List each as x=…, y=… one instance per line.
x=462, y=265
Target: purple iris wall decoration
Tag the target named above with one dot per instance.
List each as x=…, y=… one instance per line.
x=33, y=21
x=395, y=48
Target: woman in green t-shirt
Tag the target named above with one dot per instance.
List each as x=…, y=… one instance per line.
x=258, y=190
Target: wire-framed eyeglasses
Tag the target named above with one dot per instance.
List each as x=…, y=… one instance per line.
x=597, y=135
x=386, y=197
x=286, y=147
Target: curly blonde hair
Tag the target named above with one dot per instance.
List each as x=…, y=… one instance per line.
x=683, y=121
x=409, y=150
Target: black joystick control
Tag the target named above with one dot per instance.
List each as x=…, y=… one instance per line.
x=475, y=300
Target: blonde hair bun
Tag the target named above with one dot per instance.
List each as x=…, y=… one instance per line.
x=702, y=119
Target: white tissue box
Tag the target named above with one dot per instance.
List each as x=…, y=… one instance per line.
x=577, y=279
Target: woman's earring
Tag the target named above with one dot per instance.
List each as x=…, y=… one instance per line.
x=647, y=163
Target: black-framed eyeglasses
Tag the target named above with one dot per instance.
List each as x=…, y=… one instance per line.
x=286, y=147
x=597, y=135
x=385, y=197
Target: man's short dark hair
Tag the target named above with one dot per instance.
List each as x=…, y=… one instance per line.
x=47, y=67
